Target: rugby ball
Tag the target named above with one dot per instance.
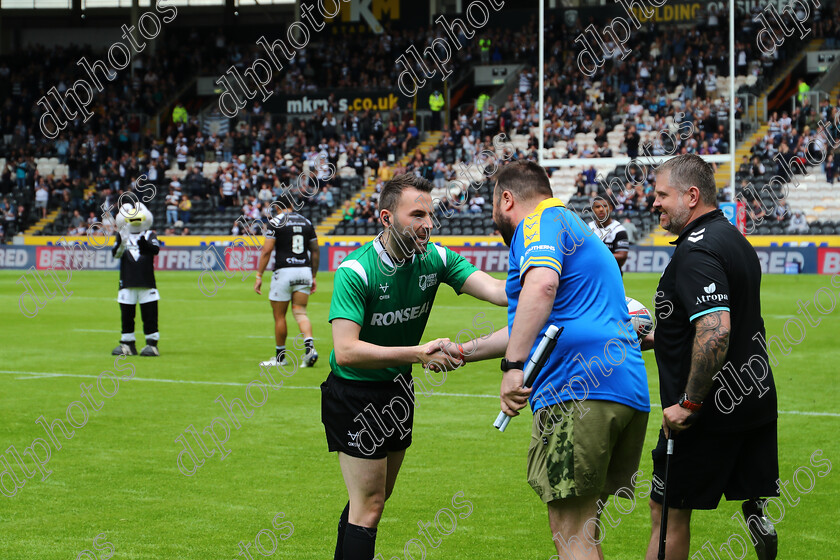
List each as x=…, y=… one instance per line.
x=640, y=317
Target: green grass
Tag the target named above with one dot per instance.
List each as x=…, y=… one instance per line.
x=118, y=474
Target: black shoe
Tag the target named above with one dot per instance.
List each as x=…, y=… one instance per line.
x=309, y=359
x=150, y=350
x=127, y=348
x=761, y=529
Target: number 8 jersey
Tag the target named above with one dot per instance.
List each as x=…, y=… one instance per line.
x=291, y=233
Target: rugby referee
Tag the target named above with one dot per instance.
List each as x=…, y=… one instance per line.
x=715, y=381
x=382, y=296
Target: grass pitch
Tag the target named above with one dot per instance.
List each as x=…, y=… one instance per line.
x=118, y=474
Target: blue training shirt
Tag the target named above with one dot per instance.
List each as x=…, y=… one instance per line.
x=597, y=356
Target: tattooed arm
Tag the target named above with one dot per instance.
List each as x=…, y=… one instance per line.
x=708, y=355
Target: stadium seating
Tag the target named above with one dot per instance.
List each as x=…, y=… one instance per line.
x=603, y=104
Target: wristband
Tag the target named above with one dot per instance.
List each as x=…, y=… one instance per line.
x=259, y=275
x=687, y=404
x=461, y=351
x=508, y=365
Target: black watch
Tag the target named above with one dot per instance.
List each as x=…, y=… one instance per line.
x=507, y=365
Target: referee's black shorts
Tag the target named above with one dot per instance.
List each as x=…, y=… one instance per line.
x=366, y=419
x=706, y=466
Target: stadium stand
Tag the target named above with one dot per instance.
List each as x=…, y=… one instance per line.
x=623, y=111
x=619, y=110
x=785, y=151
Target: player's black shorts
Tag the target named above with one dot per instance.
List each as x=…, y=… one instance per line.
x=366, y=419
x=705, y=466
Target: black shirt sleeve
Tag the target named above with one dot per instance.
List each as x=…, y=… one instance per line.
x=310, y=233
x=621, y=241
x=702, y=285
x=151, y=245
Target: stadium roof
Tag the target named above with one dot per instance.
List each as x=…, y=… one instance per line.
x=93, y=4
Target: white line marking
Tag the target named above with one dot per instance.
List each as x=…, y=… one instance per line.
x=43, y=374
x=462, y=395
x=117, y=332
x=38, y=375
x=272, y=338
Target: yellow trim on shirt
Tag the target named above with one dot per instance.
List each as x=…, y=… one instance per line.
x=531, y=227
x=549, y=203
x=543, y=261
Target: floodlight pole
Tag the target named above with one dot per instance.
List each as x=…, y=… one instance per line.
x=732, y=98
x=541, y=72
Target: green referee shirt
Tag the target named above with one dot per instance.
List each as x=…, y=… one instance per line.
x=391, y=304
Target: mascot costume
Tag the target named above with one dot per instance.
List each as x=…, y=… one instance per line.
x=136, y=247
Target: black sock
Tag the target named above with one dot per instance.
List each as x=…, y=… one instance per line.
x=359, y=542
x=280, y=352
x=308, y=343
x=342, y=526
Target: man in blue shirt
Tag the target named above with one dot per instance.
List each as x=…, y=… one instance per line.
x=590, y=400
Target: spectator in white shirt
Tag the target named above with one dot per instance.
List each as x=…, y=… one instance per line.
x=781, y=211
x=172, y=200
x=711, y=83
x=152, y=173
x=265, y=194
x=524, y=82
x=181, y=154
x=798, y=223
x=42, y=196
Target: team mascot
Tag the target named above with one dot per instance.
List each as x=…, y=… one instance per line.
x=136, y=247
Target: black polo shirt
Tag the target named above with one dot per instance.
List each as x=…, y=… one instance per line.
x=715, y=268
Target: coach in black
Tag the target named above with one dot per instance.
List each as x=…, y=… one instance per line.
x=716, y=387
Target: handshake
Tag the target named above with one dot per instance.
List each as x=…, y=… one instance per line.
x=441, y=355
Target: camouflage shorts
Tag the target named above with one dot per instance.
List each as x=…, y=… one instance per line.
x=573, y=456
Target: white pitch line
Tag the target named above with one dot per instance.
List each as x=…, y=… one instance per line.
x=461, y=395
x=39, y=376
x=272, y=338
x=117, y=332
x=42, y=374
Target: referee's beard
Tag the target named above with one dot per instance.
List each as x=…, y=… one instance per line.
x=674, y=220
x=404, y=241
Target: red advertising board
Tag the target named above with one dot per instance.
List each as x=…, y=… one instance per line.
x=828, y=260
x=489, y=259
x=741, y=217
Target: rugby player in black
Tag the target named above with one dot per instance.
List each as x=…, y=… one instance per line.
x=610, y=231
x=296, y=257
x=715, y=382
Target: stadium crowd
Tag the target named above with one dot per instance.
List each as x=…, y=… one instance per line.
x=104, y=156
x=792, y=143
